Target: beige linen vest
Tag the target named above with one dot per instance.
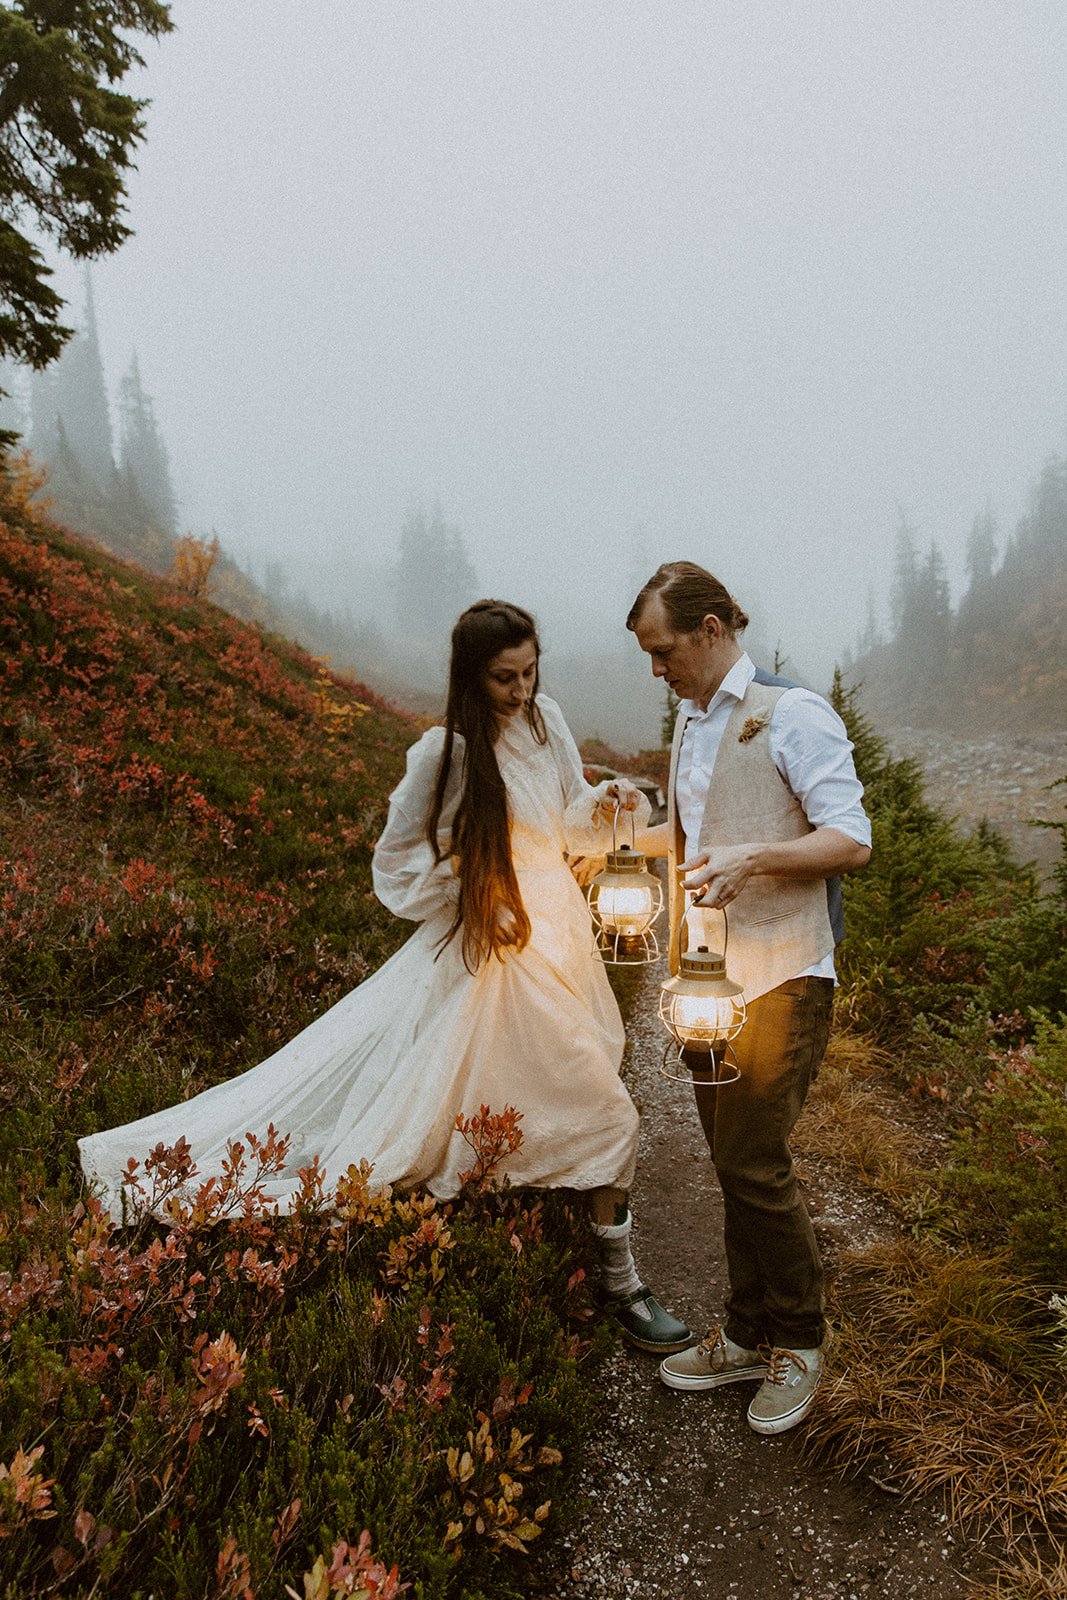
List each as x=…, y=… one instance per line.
x=778, y=927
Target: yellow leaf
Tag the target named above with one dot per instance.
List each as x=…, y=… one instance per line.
x=502, y=1536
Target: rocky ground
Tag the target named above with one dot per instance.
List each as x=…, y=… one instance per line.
x=1003, y=778
x=681, y=1497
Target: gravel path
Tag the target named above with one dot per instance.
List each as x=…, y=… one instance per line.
x=1003, y=779
x=683, y=1499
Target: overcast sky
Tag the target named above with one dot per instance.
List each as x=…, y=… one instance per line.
x=615, y=282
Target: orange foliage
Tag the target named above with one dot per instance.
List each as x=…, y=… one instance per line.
x=337, y=715
x=21, y=482
x=192, y=564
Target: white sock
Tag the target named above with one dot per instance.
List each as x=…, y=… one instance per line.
x=617, y=1271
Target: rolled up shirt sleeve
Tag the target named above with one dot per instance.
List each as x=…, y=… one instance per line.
x=812, y=751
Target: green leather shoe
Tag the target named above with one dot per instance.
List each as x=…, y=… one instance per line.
x=645, y=1324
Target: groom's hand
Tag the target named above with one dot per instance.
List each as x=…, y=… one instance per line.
x=718, y=875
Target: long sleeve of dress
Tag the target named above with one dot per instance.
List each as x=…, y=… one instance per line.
x=407, y=879
x=587, y=831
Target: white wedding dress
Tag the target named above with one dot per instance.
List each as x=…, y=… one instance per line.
x=383, y=1073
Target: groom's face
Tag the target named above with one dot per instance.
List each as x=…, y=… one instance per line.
x=689, y=663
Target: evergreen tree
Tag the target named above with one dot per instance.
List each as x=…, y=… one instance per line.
x=434, y=577
x=981, y=551
x=131, y=527
x=12, y=415
x=67, y=138
x=933, y=617
x=905, y=576
x=77, y=498
x=73, y=391
x=871, y=637
x=44, y=414
x=922, y=613
x=143, y=454
x=934, y=589
x=978, y=607
x=1039, y=549
x=80, y=396
x=1001, y=660
x=669, y=718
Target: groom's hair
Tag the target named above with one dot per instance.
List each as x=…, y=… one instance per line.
x=689, y=593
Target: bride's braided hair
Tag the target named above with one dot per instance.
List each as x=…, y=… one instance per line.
x=481, y=830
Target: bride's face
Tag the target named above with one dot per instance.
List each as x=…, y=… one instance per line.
x=509, y=680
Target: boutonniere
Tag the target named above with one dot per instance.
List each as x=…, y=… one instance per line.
x=752, y=727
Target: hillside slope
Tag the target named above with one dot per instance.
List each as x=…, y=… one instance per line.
x=998, y=662
x=187, y=810
x=1004, y=673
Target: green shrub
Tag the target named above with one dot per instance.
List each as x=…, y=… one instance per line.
x=939, y=923
x=1007, y=1180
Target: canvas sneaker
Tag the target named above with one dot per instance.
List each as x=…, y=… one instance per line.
x=787, y=1392
x=715, y=1360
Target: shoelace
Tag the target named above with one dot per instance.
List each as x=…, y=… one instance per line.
x=778, y=1363
x=712, y=1341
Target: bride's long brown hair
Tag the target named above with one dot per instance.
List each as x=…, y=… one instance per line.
x=481, y=829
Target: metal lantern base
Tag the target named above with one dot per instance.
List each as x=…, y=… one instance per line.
x=722, y=1068
x=630, y=950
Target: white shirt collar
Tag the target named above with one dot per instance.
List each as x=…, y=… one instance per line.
x=732, y=687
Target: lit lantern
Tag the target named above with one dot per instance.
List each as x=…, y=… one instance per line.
x=703, y=1010
x=624, y=901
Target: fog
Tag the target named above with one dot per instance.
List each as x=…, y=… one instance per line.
x=613, y=283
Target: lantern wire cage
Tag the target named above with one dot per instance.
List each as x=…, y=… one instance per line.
x=703, y=1011
x=624, y=901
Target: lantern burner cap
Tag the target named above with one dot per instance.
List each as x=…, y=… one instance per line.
x=703, y=963
x=625, y=859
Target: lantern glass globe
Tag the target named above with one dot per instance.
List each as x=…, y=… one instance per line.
x=624, y=902
x=701, y=1007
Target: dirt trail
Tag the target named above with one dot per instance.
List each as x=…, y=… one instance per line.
x=683, y=1499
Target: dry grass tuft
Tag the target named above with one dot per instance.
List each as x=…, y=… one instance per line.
x=939, y=1377
x=932, y=1388
x=849, y=1118
x=1028, y=1578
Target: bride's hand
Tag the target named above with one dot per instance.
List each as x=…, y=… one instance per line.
x=619, y=792
x=507, y=927
x=585, y=868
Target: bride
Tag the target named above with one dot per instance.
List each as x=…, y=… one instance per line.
x=495, y=1000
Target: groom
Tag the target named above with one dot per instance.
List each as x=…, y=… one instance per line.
x=764, y=812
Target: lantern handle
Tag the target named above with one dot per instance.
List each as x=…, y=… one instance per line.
x=696, y=902
x=614, y=828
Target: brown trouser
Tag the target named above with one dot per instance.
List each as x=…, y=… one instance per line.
x=776, y=1277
